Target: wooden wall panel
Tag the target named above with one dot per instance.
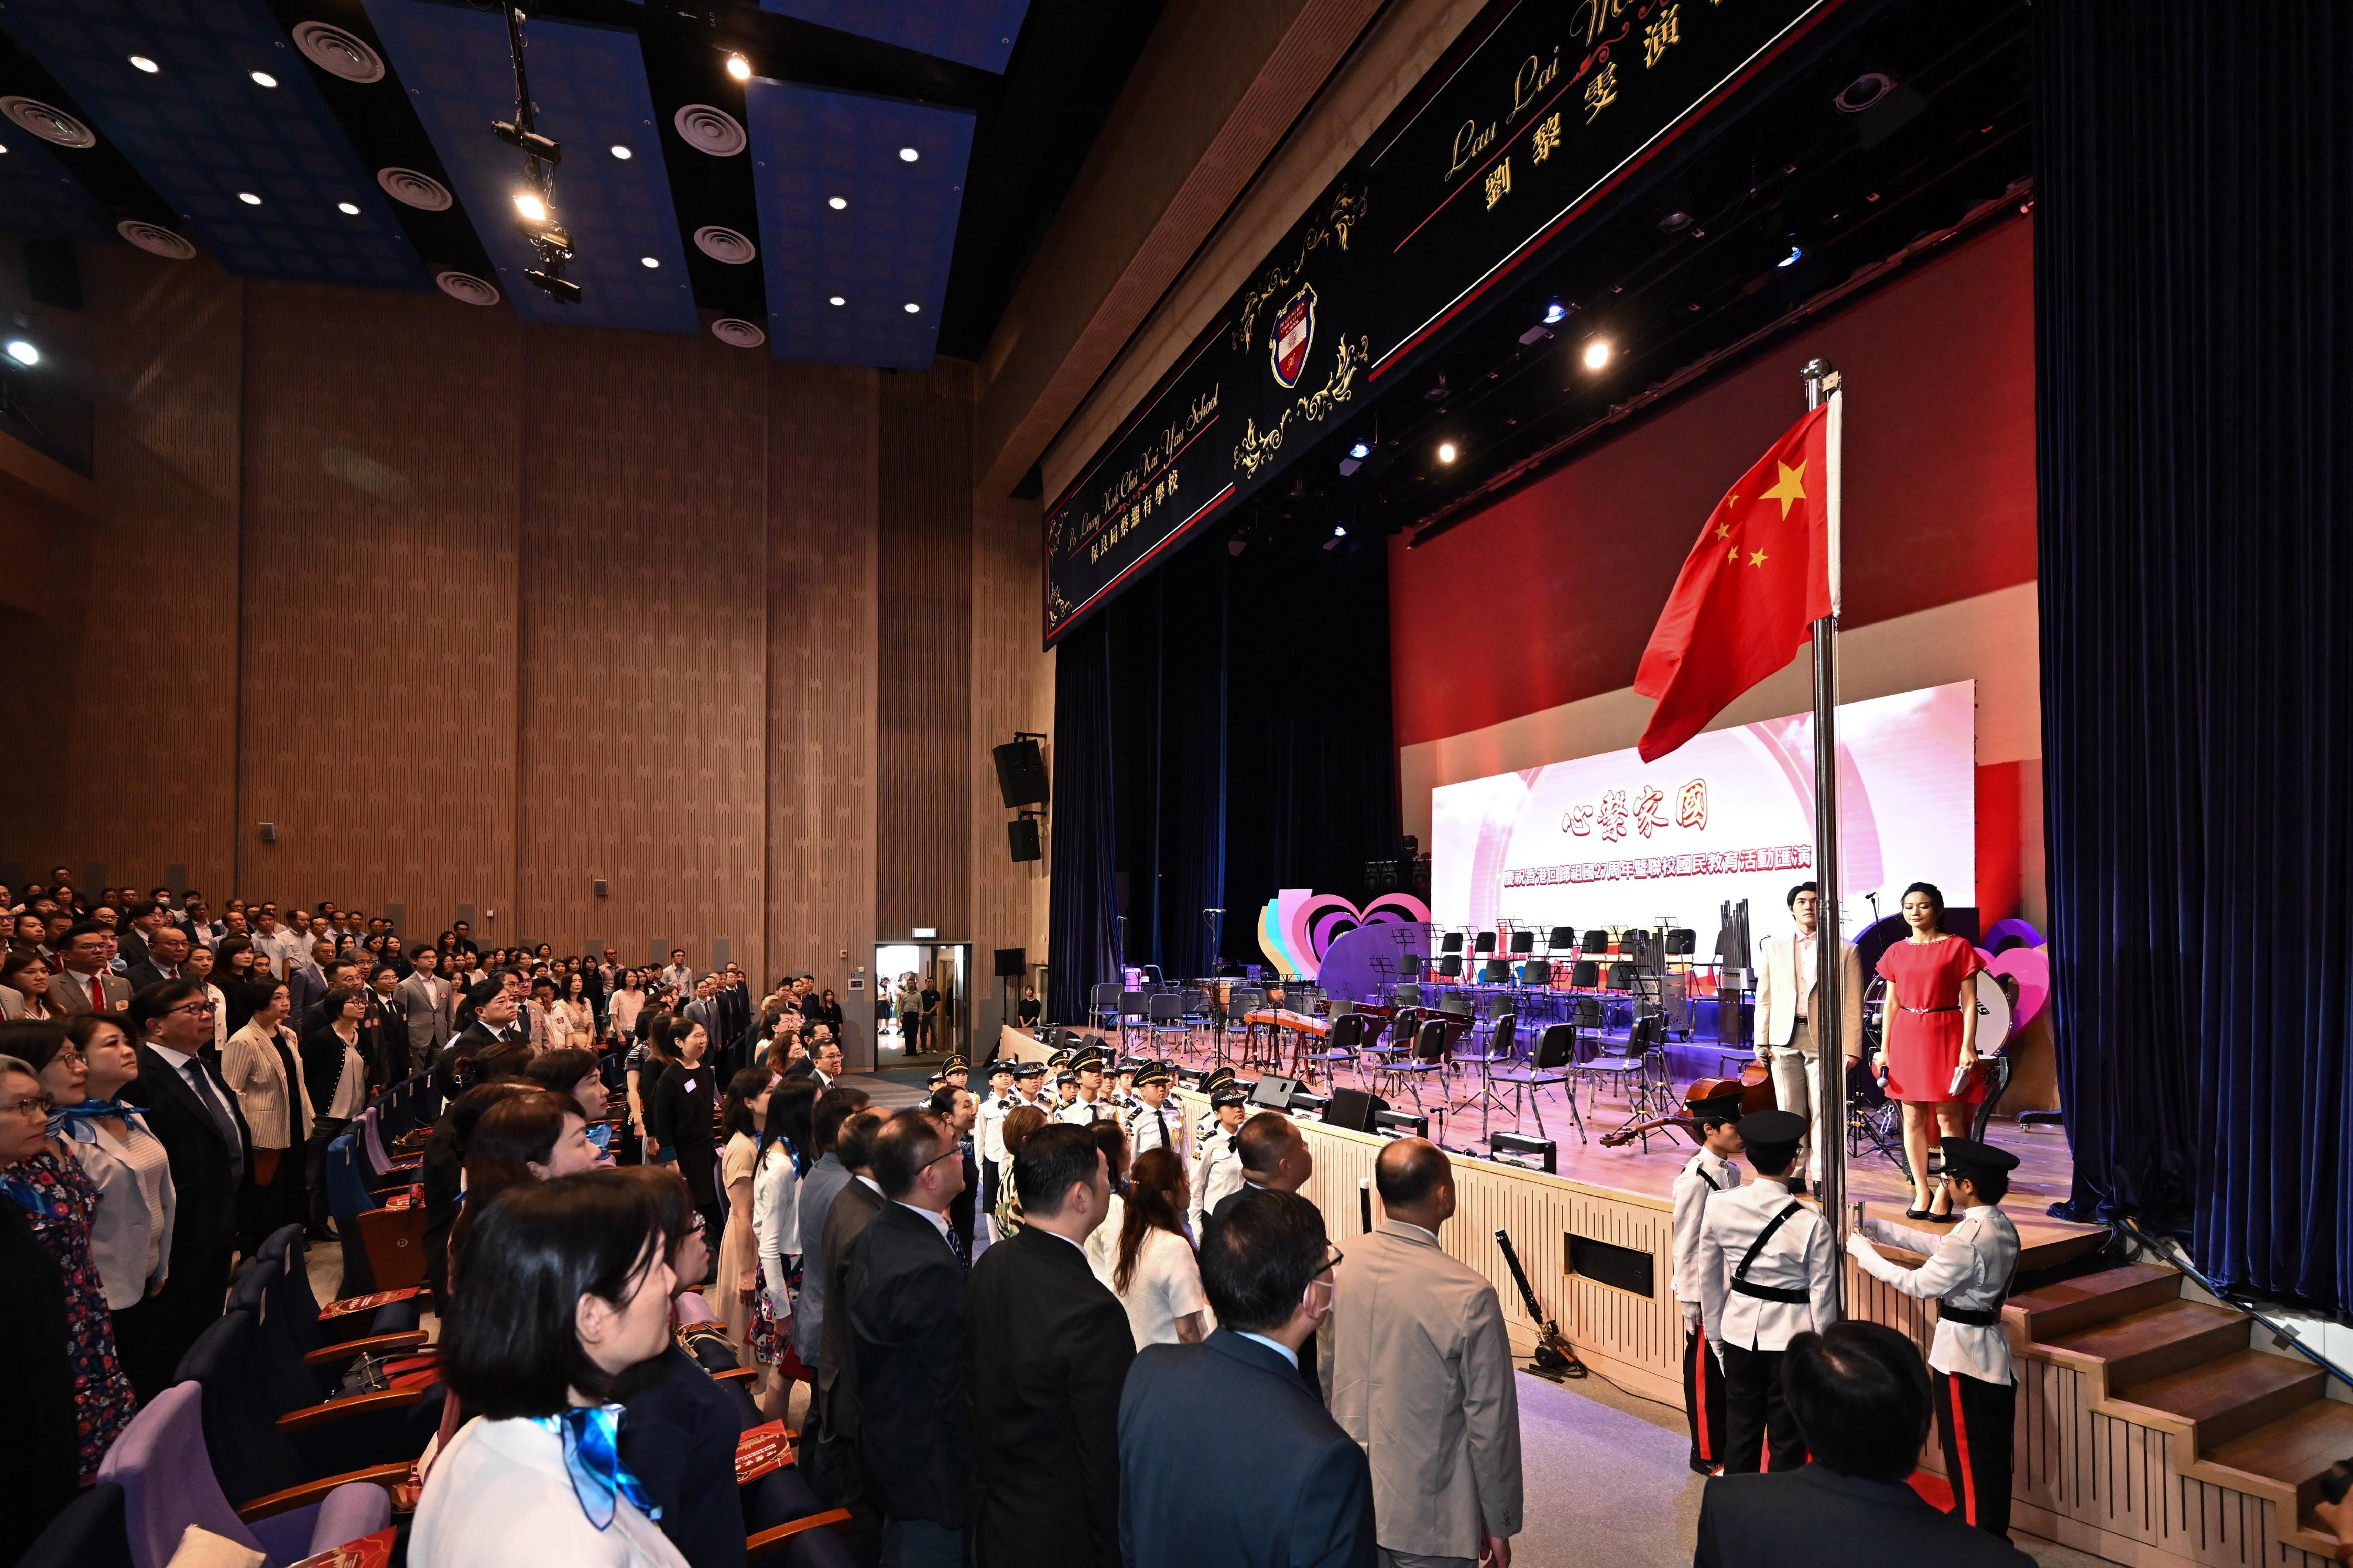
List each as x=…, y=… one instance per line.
x=130, y=666
x=1012, y=688
x=823, y=608
x=644, y=645
x=923, y=655
x=381, y=497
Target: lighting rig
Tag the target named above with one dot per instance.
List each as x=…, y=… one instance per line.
x=535, y=203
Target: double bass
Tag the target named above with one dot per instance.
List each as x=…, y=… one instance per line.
x=1755, y=1087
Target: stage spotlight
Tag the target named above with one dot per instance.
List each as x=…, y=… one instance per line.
x=1596, y=354
x=1446, y=451
x=528, y=203
x=1795, y=255
x=1555, y=313
x=739, y=68
x=263, y=78
x=145, y=66
x=1360, y=451
x=23, y=352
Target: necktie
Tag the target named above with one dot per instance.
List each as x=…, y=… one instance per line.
x=202, y=1082
x=955, y=1245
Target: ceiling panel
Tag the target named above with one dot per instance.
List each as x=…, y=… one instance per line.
x=590, y=85
x=888, y=249
x=39, y=198
x=201, y=131
x=972, y=32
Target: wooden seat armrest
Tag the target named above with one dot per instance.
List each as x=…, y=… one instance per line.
x=309, y=1492
x=372, y=1344
x=743, y=1374
x=357, y=1404
x=768, y=1541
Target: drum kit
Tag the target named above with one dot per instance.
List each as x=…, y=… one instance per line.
x=1875, y=1122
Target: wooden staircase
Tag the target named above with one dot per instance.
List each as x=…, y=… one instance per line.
x=2252, y=1421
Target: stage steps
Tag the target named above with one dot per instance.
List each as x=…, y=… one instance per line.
x=2253, y=1421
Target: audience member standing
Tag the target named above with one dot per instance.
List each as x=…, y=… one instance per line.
x=334, y=1070
x=1269, y=1479
x=679, y=1118
x=834, y=1399
x=901, y=1306
x=957, y=1107
x=84, y=985
x=1153, y=1272
x=1275, y=1155
x=38, y=1454
x=131, y=1239
x=1418, y=1370
x=262, y=1065
x=166, y=951
x=741, y=1118
x=1047, y=1350
x=823, y=1182
x=1860, y=1395
x=194, y=1114
x=425, y=1002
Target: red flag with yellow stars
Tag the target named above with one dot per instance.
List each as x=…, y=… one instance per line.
x=1750, y=590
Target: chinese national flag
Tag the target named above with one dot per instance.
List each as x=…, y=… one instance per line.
x=1750, y=590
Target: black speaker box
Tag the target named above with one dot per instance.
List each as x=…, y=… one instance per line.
x=1021, y=774
x=1353, y=1109
x=1011, y=962
x=1023, y=832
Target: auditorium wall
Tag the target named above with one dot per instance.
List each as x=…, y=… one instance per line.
x=476, y=613
x=1515, y=634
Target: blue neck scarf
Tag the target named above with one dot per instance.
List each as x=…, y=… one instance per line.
x=592, y=1457
x=87, y=1110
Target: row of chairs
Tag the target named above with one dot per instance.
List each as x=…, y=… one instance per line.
x=1679, y=940
x=1424, y=1046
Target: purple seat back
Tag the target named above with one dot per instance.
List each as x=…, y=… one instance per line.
x=167, y=1483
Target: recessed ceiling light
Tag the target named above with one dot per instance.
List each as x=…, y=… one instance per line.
x=3, y=147
x=908, y=155
x=263, y=78
x=349, y=209
x=649, y=261
x=837, y=204
x=248, y=198
x=621, y=152
x=23, y=352
x=1446, y=451
x=739, y=68
x=1596, y=354
x=141, y=62
x=837, y=299
x=912, y=308
x=528, y=203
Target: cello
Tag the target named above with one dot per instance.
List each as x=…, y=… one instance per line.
x=1755, y=1087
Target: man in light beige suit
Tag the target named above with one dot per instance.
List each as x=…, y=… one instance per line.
x=86, y=986
x=1788, y=985
x=1417, y=1369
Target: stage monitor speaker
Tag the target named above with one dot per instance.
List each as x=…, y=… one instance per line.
x=1353, y=1109
x=1021, y=774
x=1011, y=962
x=1273, y=1093
x=1023, y=832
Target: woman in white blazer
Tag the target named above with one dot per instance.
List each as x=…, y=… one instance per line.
x=277, y=1108
x=566, y=1289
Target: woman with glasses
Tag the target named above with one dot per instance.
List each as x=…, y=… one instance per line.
x=132, y=1237
x=334, y=1070
x=262, y=1065
x=57, y=1200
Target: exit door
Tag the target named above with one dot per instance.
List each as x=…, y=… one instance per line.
x=922, y=1005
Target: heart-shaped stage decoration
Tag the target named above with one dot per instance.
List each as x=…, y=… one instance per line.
x=1298, y=926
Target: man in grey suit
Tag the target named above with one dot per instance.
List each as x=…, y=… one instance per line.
x=86, y=986
x=1417, y=1369
x=428, y=1002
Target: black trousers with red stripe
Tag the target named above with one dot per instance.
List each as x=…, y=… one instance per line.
x=1973, y=1422
x=1702, y=1400
x=1760, y=1430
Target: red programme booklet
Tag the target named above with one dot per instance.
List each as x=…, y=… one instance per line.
x=350, y=1304
x=367, y=1552
x=762, y=1449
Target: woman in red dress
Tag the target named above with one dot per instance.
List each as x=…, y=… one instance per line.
x=1930, y=1035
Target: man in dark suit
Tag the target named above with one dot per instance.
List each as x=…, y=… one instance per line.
x=196, y=1117
x=1859, y=1392
x=494, y=1024
x=1047, y=1347
x=1275, y=1158
x=1268, y=1479
x=166, y=951
x=959, y=1109
x=834, y=1400
x=902, y=1316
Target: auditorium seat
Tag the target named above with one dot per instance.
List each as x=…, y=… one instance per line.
x=161, y=1463
x=90, y=1533
x=383, y=1249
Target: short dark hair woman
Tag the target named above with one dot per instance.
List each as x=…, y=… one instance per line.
x=567, y=1289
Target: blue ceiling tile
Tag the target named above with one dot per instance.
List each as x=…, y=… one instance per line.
x=889, y=248
x=974, y=32
x=590, y=85
x=201, y=131
x=38, y=197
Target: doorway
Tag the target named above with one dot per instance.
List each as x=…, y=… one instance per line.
x=940, y=998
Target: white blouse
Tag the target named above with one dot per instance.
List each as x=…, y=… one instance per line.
x=131, y=1234
x=498, y=1495
x=776, y=1221
x=1166, y=1286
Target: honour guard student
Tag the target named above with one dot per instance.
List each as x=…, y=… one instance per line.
x=1705, y=1173
x=1967, y=1275
x=988, y=1128
x=1086, y=1107
x=1029, y=1087
x=1149, y=1123
x=1768, y=1272
x=1122, y=1095
x=1214, y=1080
x=957, y=1072
x=1218, y=1168
x=1060, y=1080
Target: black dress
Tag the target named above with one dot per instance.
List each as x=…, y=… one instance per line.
x=679, y=1114
x=37, y=1418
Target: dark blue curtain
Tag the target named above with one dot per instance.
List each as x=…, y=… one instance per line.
x=1083, y=901
x=2194, y=409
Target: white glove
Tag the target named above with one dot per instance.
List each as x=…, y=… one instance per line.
x=1690, y=1314
x=1858, y=1246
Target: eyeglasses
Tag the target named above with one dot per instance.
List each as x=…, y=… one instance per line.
x=193, y=1009
x=39, y=1105
x=1332, y=1262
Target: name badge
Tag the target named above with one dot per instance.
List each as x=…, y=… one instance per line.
x=690, y=1086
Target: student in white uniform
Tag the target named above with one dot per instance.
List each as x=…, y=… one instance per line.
x=988, y=1130
x=1029, y=1088
x=1149, y=1121
x=1967, y=1275
x=1086, y=1106
x=1211, y=1081
x=1708, y=1171
x=1768, y=1270
x=1218, y=1168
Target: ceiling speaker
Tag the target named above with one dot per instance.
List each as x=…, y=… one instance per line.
x=338, y=53
x=736, y=333
x=709, y=129
x=422, y=191
x=722, y=244
x=467, y=289
x=155, y=239
x=48, y=122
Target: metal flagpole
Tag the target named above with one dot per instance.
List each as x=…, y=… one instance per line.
x=1830, y=1011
